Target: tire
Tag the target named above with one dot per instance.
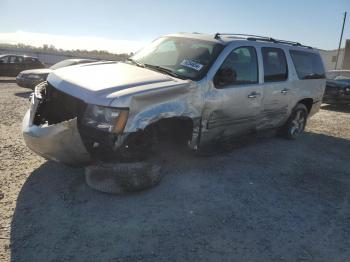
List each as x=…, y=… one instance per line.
x=122, y=178
x=296, y=123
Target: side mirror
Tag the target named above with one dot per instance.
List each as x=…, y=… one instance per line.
x=224, y=77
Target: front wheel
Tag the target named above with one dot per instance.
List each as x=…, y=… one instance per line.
x=138, y=146
x=296, y=122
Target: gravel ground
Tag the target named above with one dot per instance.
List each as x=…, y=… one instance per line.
x=271, y=200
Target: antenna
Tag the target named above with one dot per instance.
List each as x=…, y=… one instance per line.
x=341, y=38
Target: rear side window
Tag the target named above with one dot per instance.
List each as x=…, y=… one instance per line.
x=16, y=60
x=13, y=59
x=308, y=65
x=275, y=64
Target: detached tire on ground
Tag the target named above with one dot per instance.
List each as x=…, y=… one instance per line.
x=122, y=178
x=296, y=122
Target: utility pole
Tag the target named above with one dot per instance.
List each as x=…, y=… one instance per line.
x=341, y=38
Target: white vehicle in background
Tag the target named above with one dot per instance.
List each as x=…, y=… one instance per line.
x=31, y=78
x=205, y=89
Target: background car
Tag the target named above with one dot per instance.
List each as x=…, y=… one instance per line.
x=11, y=65
x=30, y=78
x=337, y=87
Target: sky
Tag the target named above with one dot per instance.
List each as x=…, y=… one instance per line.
x=121, y=26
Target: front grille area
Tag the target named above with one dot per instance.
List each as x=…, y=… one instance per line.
x=57, y=106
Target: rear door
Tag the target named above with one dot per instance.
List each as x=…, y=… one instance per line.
x=232, y=104
x=19, y=65
x=278, y=95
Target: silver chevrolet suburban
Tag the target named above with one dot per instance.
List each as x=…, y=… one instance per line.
x=203, y=89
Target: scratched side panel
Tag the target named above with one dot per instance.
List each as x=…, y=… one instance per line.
x=229, y=113
x=218, y=119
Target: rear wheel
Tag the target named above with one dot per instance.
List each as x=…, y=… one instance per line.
x=296, y=122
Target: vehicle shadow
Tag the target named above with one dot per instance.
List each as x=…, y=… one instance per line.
x=25, y=94
x=218, y=207
x=337, y=108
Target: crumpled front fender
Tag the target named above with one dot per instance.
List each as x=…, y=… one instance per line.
x=60, y=142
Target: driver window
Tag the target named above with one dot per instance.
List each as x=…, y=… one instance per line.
x=4, y=60
x=240, y=67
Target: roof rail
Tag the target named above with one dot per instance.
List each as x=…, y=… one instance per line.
x=217, y=35
x=261, y=38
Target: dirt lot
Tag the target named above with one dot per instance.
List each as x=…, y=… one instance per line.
x=271, y=200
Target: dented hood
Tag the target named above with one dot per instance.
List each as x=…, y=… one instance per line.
x=100, y=83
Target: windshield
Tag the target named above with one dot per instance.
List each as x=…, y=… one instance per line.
x=63, y=64
x=181, y=57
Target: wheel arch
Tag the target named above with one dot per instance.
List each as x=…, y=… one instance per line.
x=308, y=102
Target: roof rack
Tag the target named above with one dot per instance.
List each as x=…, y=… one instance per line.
x=261, y=38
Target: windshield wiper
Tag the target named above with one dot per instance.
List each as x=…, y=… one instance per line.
x=154, y=67
x=135, y=62
x=163, y=70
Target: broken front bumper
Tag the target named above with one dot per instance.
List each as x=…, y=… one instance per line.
x=60, y=142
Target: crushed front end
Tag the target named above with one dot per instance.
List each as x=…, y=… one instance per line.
x=64, y=128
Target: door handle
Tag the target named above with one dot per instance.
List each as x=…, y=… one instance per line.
x=254, y=95
x=284, y=91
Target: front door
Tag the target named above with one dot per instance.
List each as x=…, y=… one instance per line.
x=232, y=104
x=4, y=66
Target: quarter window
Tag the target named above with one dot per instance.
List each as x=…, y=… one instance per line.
x=240, y=67
x=275, y=64
x=308, y=65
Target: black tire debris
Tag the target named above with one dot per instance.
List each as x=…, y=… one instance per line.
x=122, y=178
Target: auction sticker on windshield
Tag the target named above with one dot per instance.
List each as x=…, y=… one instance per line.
x=191, y=64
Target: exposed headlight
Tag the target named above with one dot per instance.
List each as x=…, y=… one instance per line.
x=108, y=119
x=40, y=90
x=31, y=76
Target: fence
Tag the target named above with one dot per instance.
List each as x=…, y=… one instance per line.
x=52, y=58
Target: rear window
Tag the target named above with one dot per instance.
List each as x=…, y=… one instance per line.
x=308, y=65
x=30, y=60
x=275, y=64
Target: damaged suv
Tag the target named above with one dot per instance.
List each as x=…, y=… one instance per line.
x=208, y=88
